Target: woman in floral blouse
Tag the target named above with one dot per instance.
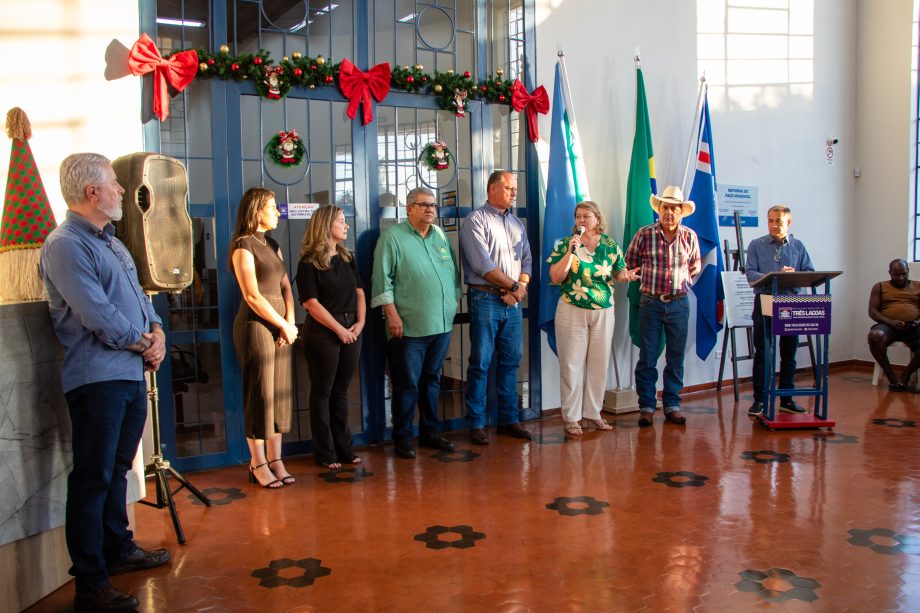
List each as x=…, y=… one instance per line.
x=585, y=266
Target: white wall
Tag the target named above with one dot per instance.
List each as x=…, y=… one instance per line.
x=884, y=192
x=57, y=52
x=777, y=146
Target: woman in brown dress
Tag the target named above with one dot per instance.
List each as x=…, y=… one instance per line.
x=263, y=333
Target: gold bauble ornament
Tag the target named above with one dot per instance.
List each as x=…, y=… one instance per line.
x=419, y=67
x=285, y=59
x=312, y=86
x=437, y=88
x=202, y=67
x=296, y=55
x=320, y=60
x=224, y=49
x=499, y=72
x=450, y=72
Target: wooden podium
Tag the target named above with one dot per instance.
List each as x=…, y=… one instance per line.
x=793, y=314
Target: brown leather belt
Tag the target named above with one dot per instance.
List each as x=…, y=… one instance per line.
x=666, y=297
x=489, y=289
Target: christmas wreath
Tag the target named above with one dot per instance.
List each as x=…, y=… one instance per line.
x=436, y=156
x=285, y=148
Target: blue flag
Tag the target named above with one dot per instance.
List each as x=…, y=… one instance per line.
x=566, y=185
x=708, y=290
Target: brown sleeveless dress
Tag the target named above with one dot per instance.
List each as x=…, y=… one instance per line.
x=266, y=367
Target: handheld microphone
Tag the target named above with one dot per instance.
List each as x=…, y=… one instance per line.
x=579, y=232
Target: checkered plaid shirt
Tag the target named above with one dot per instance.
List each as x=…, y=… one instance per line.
x=667, y=268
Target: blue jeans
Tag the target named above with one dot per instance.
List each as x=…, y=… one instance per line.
x=654, y=317
x=107, y=420
x=415, y=369
x=495, y=329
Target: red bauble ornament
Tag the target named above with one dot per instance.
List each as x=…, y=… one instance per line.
x=328, y=78
x=257, y=60
x=424, y=79
x=501, y=98
x=210, y=61
x=234, y=66
x=410, y=79
x=298, y=72
x=483, y=88
x=467, y=74
x=313, y=67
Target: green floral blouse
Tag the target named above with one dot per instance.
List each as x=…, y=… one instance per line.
x=589, y=284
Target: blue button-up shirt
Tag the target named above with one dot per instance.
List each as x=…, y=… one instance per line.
x=491, y=238
x=766, y=255
x=97, y=305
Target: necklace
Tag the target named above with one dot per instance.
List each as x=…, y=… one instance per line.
x=263, y=241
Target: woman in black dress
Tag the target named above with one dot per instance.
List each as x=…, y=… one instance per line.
x=263, y=333
x=330, y=290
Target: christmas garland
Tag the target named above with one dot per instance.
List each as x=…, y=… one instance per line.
x=286, y=148
x=274, y=81
x=436, y=156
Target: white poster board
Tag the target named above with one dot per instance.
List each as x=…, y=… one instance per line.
x=739, y=299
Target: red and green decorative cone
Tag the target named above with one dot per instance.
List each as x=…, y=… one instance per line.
x=27, y=217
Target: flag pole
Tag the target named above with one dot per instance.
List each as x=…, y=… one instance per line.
x=565, y=81
x=693, y=132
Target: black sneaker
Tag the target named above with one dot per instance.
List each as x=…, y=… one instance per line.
x=790, y=406
x=756, y=409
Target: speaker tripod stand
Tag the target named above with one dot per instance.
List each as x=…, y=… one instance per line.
x=160, y=469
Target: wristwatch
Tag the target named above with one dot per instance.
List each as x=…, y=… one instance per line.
x=515, y=286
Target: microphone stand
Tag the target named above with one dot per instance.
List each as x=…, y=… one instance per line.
x=159, y=468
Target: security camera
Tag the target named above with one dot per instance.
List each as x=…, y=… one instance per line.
x=832, y=140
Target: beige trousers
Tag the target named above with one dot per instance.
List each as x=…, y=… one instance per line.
x=583, y=339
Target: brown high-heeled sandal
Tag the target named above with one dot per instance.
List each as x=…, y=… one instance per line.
x=573, y=428
x=271, y=485
x=287, y=479
x=601, y=424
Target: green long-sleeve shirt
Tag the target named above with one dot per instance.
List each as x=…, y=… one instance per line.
x=420, y=276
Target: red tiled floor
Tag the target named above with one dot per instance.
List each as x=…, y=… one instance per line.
x=652, y=548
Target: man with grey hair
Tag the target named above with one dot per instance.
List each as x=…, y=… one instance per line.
x=110, y=334
x=416, y=281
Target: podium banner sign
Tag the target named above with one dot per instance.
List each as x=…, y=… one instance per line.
x=801, y=314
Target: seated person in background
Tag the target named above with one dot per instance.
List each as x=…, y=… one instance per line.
x=895, y=305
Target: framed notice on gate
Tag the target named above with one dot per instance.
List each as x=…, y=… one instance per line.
x=801, y=314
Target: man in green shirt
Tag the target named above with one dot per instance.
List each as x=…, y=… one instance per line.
x=416, y=282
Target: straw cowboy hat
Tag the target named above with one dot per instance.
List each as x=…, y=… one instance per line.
x=673, y=195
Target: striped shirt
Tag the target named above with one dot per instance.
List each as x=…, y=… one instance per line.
x=97, y=305
x=667, y=268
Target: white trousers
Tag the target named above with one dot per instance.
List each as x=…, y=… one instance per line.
x=583, y=339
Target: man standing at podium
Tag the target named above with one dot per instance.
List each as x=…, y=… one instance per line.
x=778, y=251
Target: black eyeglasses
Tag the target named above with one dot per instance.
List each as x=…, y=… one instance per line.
x=427, y=205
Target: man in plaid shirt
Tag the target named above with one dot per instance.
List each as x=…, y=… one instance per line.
x=669, y=256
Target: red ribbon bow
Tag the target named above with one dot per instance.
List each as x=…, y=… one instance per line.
x=359, y=86
x=538, y=102
x=179, y=70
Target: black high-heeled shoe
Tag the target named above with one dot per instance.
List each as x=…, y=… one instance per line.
x=285, y=480
x=271, y=484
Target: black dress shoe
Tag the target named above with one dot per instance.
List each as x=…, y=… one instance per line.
x=106, y=598
x=790, y=406
x=675, y=417
x=404, y=449
x=141, y=559
x=436, y=442
x=515, y=431
x=479, y=436
x=756, y=409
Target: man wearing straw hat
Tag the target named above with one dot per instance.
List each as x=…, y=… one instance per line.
x=668, y=254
